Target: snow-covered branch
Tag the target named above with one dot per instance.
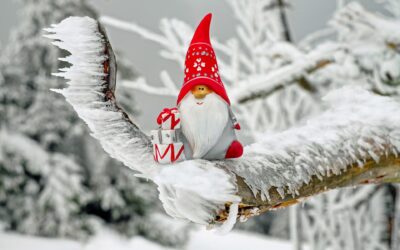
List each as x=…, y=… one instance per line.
x=134, y=28
x=140, y=83
x=364, y=33
x=359, y=26
x=265, y=85
x=356, y=141
x=370, y=172
x=91, y=80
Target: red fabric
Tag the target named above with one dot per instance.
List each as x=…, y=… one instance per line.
x=235, y=150
x=201, y=65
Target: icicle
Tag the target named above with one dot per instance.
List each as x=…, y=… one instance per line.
x=231, y=221
x=281, y=192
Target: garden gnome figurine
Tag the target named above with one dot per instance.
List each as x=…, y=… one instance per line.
x=207, y=122
x=203, y=126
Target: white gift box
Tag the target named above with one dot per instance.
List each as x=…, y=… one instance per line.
x=168, y=153
x=171, y=120
x=163, y=136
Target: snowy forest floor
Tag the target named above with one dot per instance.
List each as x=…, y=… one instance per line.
x=200, y=240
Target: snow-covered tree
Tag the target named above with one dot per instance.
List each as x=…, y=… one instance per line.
x=354, y=141
x=369, y=59
x=67, y=186
x=51, y=189
x=21, y=162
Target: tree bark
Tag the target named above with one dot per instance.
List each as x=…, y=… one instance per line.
x=386, y=171
x=284, y=21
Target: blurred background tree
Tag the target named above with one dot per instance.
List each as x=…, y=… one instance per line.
x=55, y=180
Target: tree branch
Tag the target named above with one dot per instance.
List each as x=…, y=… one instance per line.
x=385, y=171
x=91, y=80
x=292, y=73
x=284, y=21
x=356, y=141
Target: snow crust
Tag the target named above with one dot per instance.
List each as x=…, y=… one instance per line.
x=358, y=125
x=86, y=92
x=106, y=240
x=195, y=190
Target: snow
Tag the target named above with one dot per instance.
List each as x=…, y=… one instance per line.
x=27, y=148
x=106, y=240
x=193, y=190
x=357, y=126
x=282, y=76
x=360, y=23
x=11, y=241
x=235, y=240
x=362, y=224
x=81, y=37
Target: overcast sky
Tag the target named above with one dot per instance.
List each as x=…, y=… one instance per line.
x=304, y=16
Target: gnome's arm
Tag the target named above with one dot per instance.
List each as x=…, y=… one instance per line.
x=234, y=120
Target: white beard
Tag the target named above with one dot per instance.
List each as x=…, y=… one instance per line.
x=203, y=124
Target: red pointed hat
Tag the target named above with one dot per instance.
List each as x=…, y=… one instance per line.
x=201, y=65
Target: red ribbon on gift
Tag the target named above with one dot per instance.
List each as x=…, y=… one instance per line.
x=169, y=113
x=158, y=154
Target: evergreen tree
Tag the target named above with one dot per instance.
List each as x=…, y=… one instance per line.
x=50, y=190
x=68, y=186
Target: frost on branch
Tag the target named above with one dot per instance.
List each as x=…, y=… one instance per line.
x=358, y=126
x=90, y=94
x=356, y=139
x=193, y=190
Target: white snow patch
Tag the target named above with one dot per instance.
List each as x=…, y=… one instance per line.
x=195, y=190
x=199, y=240
x=11, y=241
x=29, y=149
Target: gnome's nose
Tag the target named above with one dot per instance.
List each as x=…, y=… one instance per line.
x=200, y=91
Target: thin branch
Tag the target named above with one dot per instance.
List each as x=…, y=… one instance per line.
x=284, y=21
x=140, y=84
x=134, y=28
x=287, y=75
